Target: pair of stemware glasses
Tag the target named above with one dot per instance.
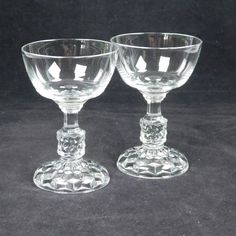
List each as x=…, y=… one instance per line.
x=72, y=71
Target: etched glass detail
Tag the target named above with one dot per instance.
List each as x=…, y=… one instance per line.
x=71, y=143
x=71, y=173
x=153, y=159
x=153, y=130
x=157, y=163
x=67, y=176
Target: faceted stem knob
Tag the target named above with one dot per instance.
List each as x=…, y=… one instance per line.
x=153, y=131
x=71, y=143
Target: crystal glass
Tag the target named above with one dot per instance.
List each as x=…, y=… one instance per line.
x=155, y=63
x=70, y=72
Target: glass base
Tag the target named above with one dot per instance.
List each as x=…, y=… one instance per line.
x=71, y=176
x=146, y=163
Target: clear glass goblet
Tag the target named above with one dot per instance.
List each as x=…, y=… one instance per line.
x=155, y=63
x=70, y=72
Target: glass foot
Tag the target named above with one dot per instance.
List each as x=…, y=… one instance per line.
x=152, y=163
x=71, y=176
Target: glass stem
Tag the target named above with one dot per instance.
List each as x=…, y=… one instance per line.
x=71, y=120
x=71, y=138
x=153, y=127
x=154, y=108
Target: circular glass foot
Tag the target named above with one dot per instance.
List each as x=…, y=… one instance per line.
x=71, y=176
x=152, y=163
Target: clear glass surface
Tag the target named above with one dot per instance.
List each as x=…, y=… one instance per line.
x=155, y=63
x=70, y=72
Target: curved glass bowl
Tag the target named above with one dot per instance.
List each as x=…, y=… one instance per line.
x=155, y=63
x=70, y=72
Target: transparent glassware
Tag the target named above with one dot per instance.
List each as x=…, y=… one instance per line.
x=70, y=72
x=155, y=63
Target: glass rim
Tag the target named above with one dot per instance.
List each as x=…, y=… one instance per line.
x=157, y=33
x=38, y=55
